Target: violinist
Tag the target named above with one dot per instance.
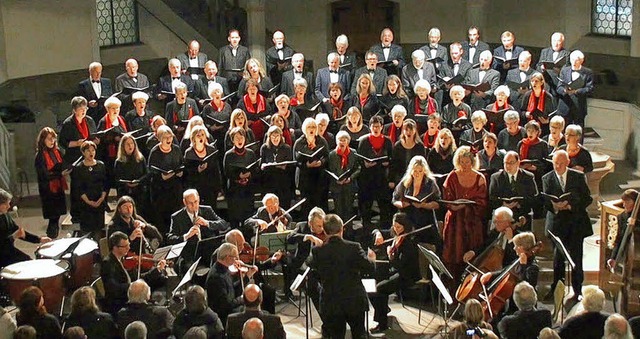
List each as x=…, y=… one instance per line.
x=527, y=268
x=116, y=279
x=193, y=223
x=269, y=218
x=251, y=257
x=405, y=271
x=126, y=220
x=626, y=224
x=224, y=293
x=513, y=182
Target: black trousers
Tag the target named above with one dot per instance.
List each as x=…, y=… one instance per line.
x=336, y=324
x=380, y=299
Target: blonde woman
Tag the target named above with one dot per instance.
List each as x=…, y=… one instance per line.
x=355, y=126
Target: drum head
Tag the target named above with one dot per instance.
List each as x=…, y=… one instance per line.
x=52, y=249
x=33, y=269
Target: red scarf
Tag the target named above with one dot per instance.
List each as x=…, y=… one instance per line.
x=344, y=156
x=394, y=132
x=531, y=105
x=293, y=102
x=176, y=115
x=426, y=142
x=363, y=101
x=55, y=184
x=311, y=144
x=337, y=108
x=462, y=113
x=376, y=143
x=217, y=109
x=113, y=148
x=524, y=148
x=82, y=127
x=431, y=106
x=261, y=105
x=286, y=134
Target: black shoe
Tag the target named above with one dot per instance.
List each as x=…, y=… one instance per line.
x=379, y=329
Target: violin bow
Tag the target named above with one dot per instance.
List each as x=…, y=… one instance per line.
x=286, y=212
x=405, y=234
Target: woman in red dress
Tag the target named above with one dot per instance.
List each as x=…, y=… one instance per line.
x=464, y=227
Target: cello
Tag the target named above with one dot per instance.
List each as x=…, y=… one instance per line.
x=488, y=261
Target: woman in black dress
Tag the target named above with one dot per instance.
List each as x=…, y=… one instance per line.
x=343, y=159
x=287, y=133
x=216, y=114
x=302, y=101
x=322, y=120
x=239, y=168
x=255, y=105
x=201, y=167
x=336, y=107
x=490, y=157
x=393, y=130
x=538, y=103
x=186, y=139
x=108, y=148
x=394, y=94
x=130, y=173
x=165, y=170
x=407, y=147
x=440, y=157
x=579, y=157
x=51, y=179
x=277, y=179
x=239, y=119
x=90, y=176
x=283, y=108
x=355, y=126
x=366, y=100
x=32, y=312
x=180, y=110
x=139, y=119
x=555, y=139
x=312, y=181
x=253, y=70
x=86, y=314
x=417, y=184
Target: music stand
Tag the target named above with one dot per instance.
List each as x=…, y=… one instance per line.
x=568, y=261
x=206, y=247
x=295, y=285
x=186, y=278
x=433, y=260
x=274, y=241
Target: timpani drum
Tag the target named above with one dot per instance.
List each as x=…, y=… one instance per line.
x=80, y=264
x=47, y=274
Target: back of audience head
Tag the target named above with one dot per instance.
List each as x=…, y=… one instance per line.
x=195, y=301
x=75, y=332
x=252, y=296
x=525, y=296
x=139, y=292
x=195, y=332
x=617, y=327
x=136, y=330
x=253, y=329
x=25, y=332
x=548, y=333
x=83, y=301
x=593, y=298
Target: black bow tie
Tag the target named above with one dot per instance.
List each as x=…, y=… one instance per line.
x=96, y=81
x=135, y=77
x=212, y=80
x=371, y=70
x=330, y=71
x=507, y=50
x=473, y=46
x=192, y=58
x=386, y=47
x=432, y=48
x=456, y=64
x=175, y=78
x=279, y=49
x=296, y=72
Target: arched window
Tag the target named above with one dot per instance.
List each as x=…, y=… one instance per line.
x=117, y=22
x=612, y=17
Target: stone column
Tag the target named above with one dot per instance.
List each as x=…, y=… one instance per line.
x=635, y=32
x=476, y=15
x=256, y=29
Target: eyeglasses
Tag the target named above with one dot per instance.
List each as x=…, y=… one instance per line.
x=124, y=246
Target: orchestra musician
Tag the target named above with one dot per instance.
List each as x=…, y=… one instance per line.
x=626, y=225
x=246, y=250
x=567, y=219
x=116, y=279
x=126, y=220
x=51, y=182
x=463, y=224
x=514, y=182
x=268, y=214
x=340, y=264
x=10, y=231
x=503, y=229
x=404, y=272
x=224, y=293
x=418, y=183
x=193, y=223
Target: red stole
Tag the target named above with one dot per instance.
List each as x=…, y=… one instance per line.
x=532, y=105
x=524, y=148
x=55, y=184
x=376, y=143
x=426, y=137
x=82, y=127
x=394, y=132
x=337, y=108
x=344, y=156
x=430, y=106
x=112, y=148
x=260, y=106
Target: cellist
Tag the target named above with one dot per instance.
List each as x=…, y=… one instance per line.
x=501, y=235
x=624, y=250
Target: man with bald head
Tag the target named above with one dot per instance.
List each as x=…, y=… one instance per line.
x=554, y=53
x=278, y=57
x=617, y=327
x=192, y=58
x=520, y=75
x=253, y=329
x=296, y=72
x=568, y=218
x=158, y=319
x=389, y=54
x=252, y=297
x=128, y=81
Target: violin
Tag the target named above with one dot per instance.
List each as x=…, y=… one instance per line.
x=503, y=286
x=239, y=267
x=247, y=254
x=488, y=261
x=131, y=261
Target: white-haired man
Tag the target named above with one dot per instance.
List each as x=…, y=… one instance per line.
x=330, y=74
x=95, y=89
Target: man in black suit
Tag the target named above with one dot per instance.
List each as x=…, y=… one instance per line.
x=390, y=55
x=158, y=319
x=512, y=181
x=267, y=214
x=252, y=299
x=116, y=279
x=192, y=58
x=521, y=76
x=348, y=60
x=378, y=74
x=527, y=322
x=590, y=324
x=340, y=264
x=327, y=75
x=224, y=292
x=419, y=69
x=572, y=100
x=474, y=46
x=232, y=59
x=297, y=72
x=131, y=78
x=434, y=50
x=455, y=65
x=505, y=52
x=568, y=219
x=204, y=85
x=479, y=100
x=554, y=53
x=95, y=89
x=278, y=57
x=193, y=223
x=167, y=84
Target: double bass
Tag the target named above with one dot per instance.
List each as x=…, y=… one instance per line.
x=488, y=261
